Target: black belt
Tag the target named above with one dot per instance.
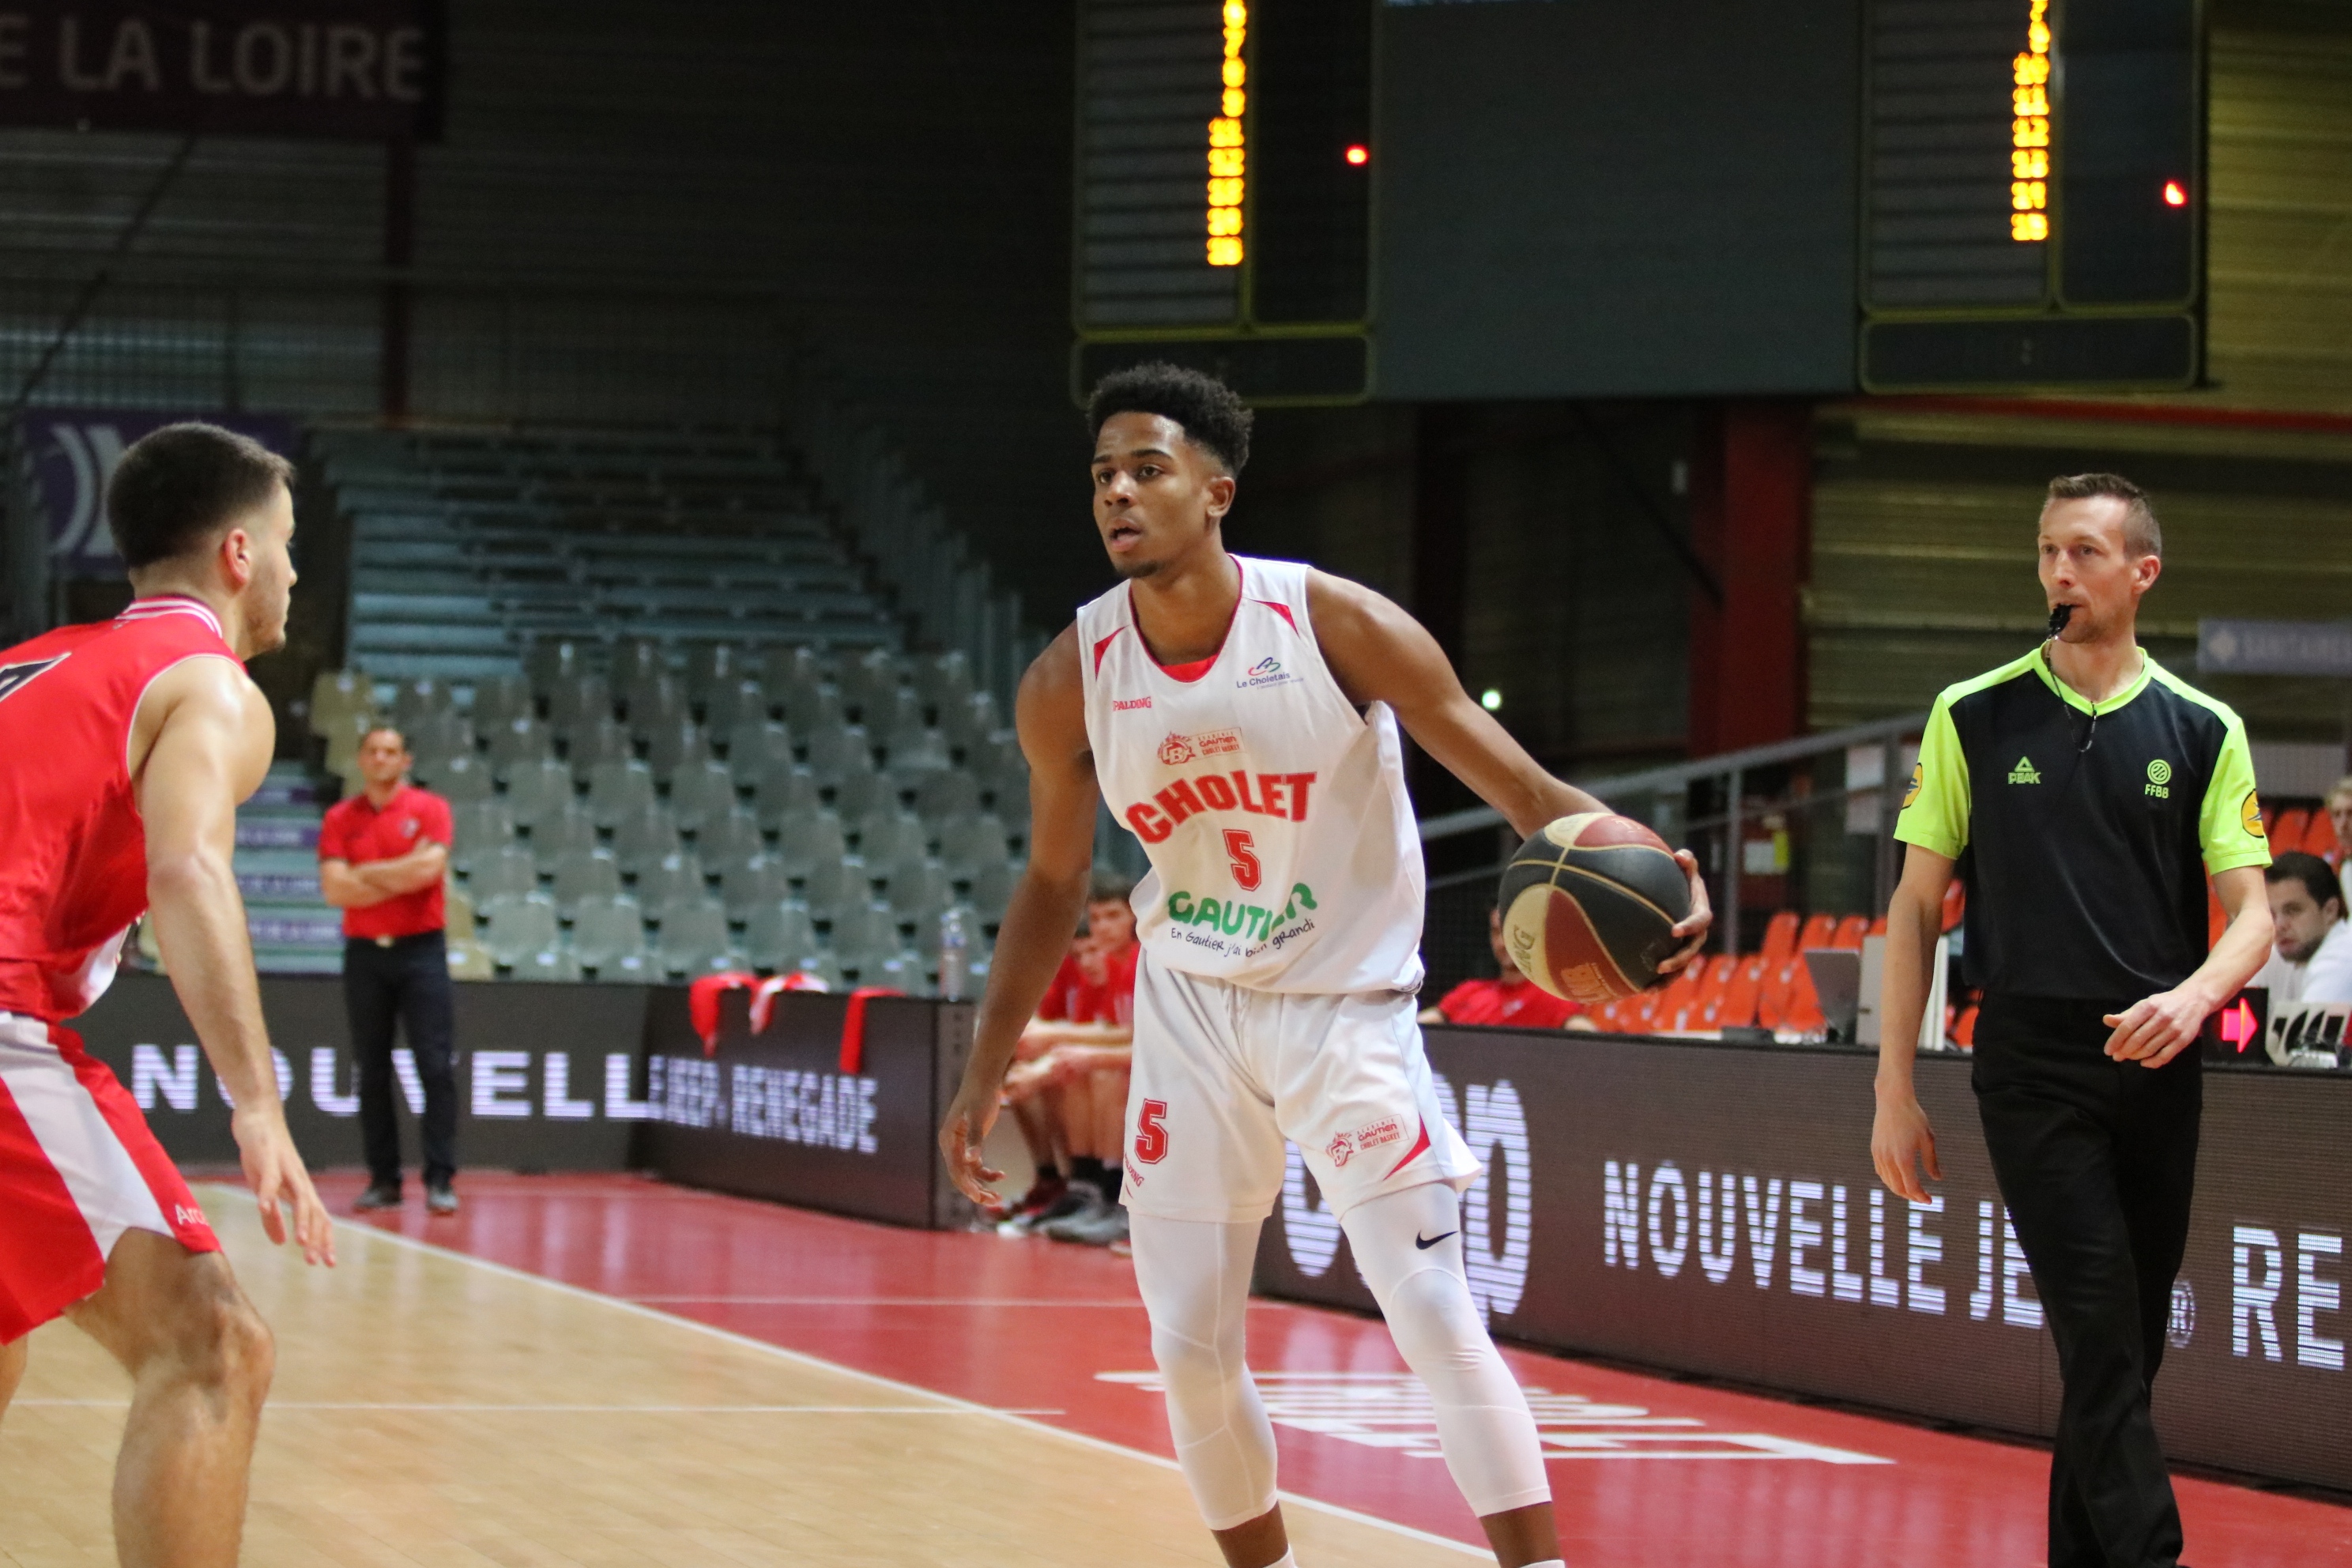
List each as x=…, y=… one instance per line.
x=391, y=942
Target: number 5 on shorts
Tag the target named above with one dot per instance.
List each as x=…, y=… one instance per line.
x=1151, y=1133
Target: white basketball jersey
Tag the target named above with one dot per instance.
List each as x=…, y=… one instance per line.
x=1284, y=851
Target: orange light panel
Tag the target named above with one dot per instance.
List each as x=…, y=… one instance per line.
x=1359, y=154
x=2029, y=132
x=1228, y=144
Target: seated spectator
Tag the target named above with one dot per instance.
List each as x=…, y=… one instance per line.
x=2339, y=816
x=1510, y=1001
x=1069, y=1079
x=2313, y=959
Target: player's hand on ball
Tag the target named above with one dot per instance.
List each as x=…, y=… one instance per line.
x=2155, y=1030
x=1691, y=929
x=962, y=1138
x=1901, y=1143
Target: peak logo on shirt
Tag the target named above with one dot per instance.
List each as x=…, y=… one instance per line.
x=2023, y=772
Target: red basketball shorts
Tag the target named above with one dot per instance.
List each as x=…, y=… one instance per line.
x=78, y=1168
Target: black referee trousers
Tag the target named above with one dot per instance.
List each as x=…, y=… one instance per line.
x=405, y=984
x=2096, y=1159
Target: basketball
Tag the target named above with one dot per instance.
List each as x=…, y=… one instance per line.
x=1588, y=906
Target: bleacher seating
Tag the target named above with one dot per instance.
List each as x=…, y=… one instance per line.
x=811, y=849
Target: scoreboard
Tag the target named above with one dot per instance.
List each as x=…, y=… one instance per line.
x=1224, y=204
x=2033, y=195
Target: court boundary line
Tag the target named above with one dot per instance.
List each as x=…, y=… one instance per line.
x=802, y=1358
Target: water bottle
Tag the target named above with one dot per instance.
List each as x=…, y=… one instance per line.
x=953, y=959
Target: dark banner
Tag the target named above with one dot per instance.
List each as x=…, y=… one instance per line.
x=1713, y=1209
x=74, y=451
x=786, y=1114
x=548, y=1075
x=359, y=69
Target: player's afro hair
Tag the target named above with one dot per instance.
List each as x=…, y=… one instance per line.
x=1207, y=409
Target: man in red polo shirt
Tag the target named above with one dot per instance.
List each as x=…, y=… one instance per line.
x=381, y=856
x=1511, y=1001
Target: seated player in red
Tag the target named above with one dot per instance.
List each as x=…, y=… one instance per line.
x=1074, y=1061
x=1510, y=1000
x=125, y=748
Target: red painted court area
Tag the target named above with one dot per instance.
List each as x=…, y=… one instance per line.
x=1647, y=1473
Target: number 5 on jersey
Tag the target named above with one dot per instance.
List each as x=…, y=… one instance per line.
x=1243, y=853
x=1151, y=1133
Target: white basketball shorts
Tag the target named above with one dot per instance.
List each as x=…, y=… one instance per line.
x=78, y=1166
x=1223, y=1075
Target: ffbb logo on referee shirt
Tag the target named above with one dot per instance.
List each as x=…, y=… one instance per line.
x=2159, y=779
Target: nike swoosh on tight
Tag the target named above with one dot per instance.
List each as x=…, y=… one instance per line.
x=1426, y=1242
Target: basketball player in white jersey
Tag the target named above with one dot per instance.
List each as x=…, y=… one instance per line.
x=1240, y=717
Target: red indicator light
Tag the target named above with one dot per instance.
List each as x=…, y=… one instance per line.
x=2174, y=196
x=1359, y=155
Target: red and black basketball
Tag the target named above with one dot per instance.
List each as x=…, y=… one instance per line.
x=1588, y=906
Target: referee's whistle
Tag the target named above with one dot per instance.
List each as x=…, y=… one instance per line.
x=2058, y=618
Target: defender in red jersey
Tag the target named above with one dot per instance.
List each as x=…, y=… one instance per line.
x=125, y=748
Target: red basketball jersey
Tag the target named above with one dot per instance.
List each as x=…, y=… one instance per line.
x=73, y=853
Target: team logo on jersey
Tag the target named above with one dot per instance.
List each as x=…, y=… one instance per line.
x=1267, y=671
x=1919, y=777
x=1177, y=750
x=2250, y=815
x=1218, y=743
x=1346, y=1146
x=2023, y=772
x=12, y=676
x=1128, y=704
x=410, y=826
x=2159, y=779
x=1251, y=922
x=1258, y=795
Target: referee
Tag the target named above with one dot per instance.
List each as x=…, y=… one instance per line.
x=381, y=856
x=2083, y=793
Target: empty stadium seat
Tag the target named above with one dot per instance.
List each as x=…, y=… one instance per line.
x=461, y=780
x=2319, y=838
x=1737, y=1008
x=560, y=832
x=819, y=967
x=608, y=935
x=618, y=790
x=552, y=964
x=860, y=924
x=1817, y=932
x=635, y=659
x=457, y=910
x=548, y=662
x=991, y=889
x=1679, y=999
x=918, y=889
x=796, y=667
x=507, y=871
x=778, y=936
x=709, y=666
x=807, y=837
x=700, y=793
x=520, y=742
x=836, y=749
x=481, y=827
x=780, y=791
x=442, y=732
x=655, y=704
x=584, y=874
x=593, y=742
x=731, y=702
x=674, y=746
x=890, y=835
x=900, y=969
x=807, y=708
x=1850, y=932
x=512, y=928
x=943, y=679
x=497, y=698
x=1772, y=996
x=574, y=702
x=970, y=846
x=694, y=941
x=856, y=792
x=669, y=880
x=1780, y=936
x=1803, y=1014
x=415, y=702
x=830, y=885
x=642, y=838
x=732, y=837
x=870, y=683
x=745, y=885
x=2287, y=828
x=912, y=750
x=755, y=746
x=343, y=738
x=952, y=793
x=471, y=961
x=897, y=708
x=336, y=695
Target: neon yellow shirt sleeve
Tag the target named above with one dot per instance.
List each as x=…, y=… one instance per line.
x=1936, y=810
x=2230, y=823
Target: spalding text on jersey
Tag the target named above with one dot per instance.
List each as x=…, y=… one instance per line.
x=1278, y=795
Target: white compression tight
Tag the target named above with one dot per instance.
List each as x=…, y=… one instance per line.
x=1194, y=1276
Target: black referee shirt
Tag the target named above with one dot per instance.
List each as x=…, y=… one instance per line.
x=2083, y=833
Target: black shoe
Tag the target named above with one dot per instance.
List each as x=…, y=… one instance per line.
x=441, y=1200
x=379, y=1195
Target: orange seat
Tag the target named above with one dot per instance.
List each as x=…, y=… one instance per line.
x=1850, y=932
x=1604, y=1017
x=1699, y=1011
x=1735, y=1009
x=1780, y=936
x=1956, y=904
x=1877, y=927
x=2269, y=812
x=2319, y=837
x=1772, y=996
x=1804, y=1011
x=1640, y=1012
x=1964, y=1032
x=2286, y=830
x=1818, y=931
